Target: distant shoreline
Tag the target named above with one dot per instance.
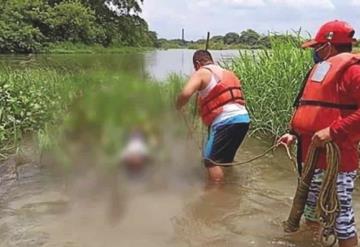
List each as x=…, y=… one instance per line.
x=95, y=49
x=78, y=48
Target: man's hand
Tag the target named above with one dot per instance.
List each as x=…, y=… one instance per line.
x=321, y=137
x=287, y=140
x=181, y=101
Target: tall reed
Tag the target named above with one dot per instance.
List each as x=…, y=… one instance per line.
x=271, y=80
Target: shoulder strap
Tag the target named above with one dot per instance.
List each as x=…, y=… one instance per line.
x=303, y=85
x=214, y=71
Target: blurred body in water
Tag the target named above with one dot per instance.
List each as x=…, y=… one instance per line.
x=135, y=157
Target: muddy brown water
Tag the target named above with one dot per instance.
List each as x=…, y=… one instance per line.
x=170, y=205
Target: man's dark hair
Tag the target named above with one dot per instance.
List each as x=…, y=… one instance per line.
x=202, y=56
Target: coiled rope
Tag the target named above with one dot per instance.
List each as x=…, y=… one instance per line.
x=328, y=203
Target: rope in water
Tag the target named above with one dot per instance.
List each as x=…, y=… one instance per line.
x=237, y=163
x=328, y=203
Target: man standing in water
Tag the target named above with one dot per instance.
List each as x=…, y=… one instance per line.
x=327, y=109
x=222, y=109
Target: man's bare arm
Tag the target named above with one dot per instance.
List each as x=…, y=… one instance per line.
x=192, y=86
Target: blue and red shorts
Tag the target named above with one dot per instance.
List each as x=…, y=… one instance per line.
x=225, y=138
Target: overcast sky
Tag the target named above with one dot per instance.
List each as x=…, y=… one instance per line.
x=168, y=17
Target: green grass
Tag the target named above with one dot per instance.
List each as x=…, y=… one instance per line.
x=62, y=111
x=271, y=80
x=30, y=99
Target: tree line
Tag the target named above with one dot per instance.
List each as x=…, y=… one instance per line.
x=28, y=26
x=32, y=25
x=247, y=39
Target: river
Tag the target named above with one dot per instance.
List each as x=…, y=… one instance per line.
x=171, y=205
x=157, y=64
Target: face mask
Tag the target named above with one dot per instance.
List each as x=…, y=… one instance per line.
x=316, y=57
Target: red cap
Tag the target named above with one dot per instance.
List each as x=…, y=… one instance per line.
x=335, y=32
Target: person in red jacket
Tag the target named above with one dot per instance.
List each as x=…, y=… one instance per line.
x=328, y=109
x=222, y=109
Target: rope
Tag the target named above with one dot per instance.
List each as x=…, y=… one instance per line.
x=328, y=202
x=239, y=163
x=191, y=131
x=293, y=222
x=328, y=205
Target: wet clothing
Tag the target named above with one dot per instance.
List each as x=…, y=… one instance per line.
x=225, y=137
x=232, y=110
x=345, y=221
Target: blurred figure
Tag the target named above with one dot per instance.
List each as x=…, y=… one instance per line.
x=135, y=157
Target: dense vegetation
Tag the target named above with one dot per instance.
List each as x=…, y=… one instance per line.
x=30, y=99
x=32, y=25
x=57, y=108
x=271, y=81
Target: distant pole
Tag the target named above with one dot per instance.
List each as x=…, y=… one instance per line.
x=207, y=41
x=183, y=36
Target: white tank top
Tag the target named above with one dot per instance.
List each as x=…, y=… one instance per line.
x=230, y=109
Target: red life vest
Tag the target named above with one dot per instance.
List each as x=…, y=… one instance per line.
x=318, y=105
x=227, y=90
